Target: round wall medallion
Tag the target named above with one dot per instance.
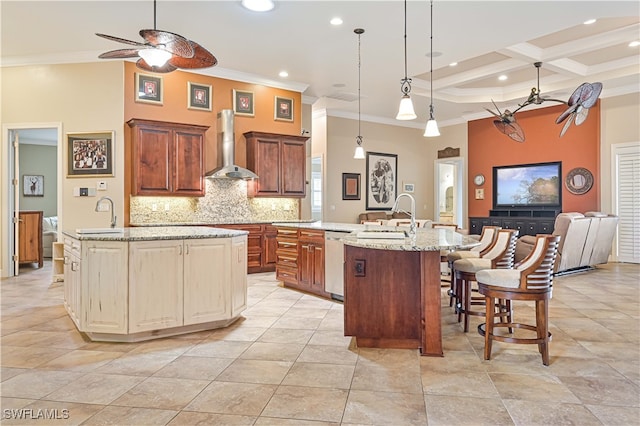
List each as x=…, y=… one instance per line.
x=478, y=179
x=579, y=181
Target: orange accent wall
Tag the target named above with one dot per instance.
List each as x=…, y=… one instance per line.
x=579, y=147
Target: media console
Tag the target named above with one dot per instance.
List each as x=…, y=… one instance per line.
x=527, y=221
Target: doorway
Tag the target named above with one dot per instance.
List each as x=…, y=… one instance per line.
x=39, y=161
x=449, y=191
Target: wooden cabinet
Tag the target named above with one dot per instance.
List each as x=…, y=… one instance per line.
x=270, y=245
x=261, y=246
x=238, y=276
x=280, y=163
x=300, y=259
x=167, y=158
x=528, y=222
x=30, y=237
x=57, y=261
x=72, y=280
x=311, y=255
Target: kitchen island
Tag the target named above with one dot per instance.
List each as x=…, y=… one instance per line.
x=392, y=289
x=133, y=284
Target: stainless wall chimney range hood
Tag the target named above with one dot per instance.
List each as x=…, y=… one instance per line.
x=226, y=151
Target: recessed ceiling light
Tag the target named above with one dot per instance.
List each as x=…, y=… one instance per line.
x=503, y=77
x=283, y=74
x=589, y=21
x=336, y=21
x=258, y=5
x=453, y=64
x=634, y=43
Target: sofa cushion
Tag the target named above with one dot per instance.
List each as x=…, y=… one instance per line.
x=50, y=224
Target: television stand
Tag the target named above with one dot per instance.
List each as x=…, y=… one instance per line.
x=527, y=221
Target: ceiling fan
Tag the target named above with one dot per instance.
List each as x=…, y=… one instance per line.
x=583, y=98
x=162, y=51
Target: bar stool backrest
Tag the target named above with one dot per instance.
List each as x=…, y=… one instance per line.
x=537, y=268
x=487, y=237
x=502, y=251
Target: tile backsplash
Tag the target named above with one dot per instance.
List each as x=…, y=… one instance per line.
x=225, y=201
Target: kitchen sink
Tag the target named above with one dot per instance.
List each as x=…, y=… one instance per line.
x=382, y=234
x=99, y=230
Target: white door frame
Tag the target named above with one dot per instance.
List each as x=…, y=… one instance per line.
x=7, y=189
x=459, y=186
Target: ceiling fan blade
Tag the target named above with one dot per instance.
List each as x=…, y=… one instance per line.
x=581, y=115
x=120, y=53
x=497, y=115
x=513, y=130
x=202, y=58
x=142, y=64
x=590, y=100
x=566, y=126
x=120, y=40
x=173, y=43
x=566, y=113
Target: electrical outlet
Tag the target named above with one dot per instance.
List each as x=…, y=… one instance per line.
x=101, y=185
x=154, y=207
x=273, y=206
x=167, y=206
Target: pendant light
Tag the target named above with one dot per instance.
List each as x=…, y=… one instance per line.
x=405, y=112
x=432, y=125
x=359, y=154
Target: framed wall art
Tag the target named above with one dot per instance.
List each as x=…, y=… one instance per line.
x=283, y=109
x=199, y=96
x=90, y=154
x=149, y=89
x=243, y=103
x=351, y=186
x=579, y=181
x=382, y=180
x=33, y=185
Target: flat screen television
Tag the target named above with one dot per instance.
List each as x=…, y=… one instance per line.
x=528, y=186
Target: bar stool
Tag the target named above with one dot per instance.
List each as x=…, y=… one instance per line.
x=444, y=253
x=499, y=255
x=531, y=279
x=487, y=237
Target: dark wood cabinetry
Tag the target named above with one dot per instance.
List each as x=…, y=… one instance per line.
x=30, y=237
x=300, y=259
x=167, y=158
x=260, y=246
x=528, y=222
x=280, y=163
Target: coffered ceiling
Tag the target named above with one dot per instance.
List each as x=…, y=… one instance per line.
x=486, y=38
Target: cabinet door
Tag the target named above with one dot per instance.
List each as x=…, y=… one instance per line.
x=267, y=166
x=72, y=280
x=306, y=265
x=317, y=279
x=104, y=284
x=155, y=285
x=207, y=280
x=270, y=245
x=294, y=156
x=30, y=231
x=238, y=275
x=152, y=158
x=188, y=162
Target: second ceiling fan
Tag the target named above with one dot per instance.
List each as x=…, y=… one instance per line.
x=162, y=51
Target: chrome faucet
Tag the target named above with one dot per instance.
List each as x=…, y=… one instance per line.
x=412, y=228
x=113, y=213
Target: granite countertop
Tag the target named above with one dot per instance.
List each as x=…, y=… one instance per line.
x=226, y=222
x=158, y=233
x=330, y=226
x=427, y=239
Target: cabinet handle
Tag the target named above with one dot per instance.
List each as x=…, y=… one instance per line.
x=180, y=250
x=74, y=266
x=187, y=249
x=66, y=260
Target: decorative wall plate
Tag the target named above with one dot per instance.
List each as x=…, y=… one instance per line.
x=579, y=181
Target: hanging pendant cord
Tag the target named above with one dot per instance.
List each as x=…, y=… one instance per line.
x=431, y=57
x=405, y=40
x=154, y=15
x=359, y=65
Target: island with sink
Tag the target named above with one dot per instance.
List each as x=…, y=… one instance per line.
x=134, y=284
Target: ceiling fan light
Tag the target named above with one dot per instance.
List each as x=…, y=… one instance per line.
x=432, y=128
x=359, y=154
x=406, y=111
x=155, y=57
x=258, y=5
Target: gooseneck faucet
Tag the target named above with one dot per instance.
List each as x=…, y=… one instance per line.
x=412, y=228
x=113, y=213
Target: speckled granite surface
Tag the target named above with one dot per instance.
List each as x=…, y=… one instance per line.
x=159, y=233
x=426, y=240
x=329, y=226
x=225, y=201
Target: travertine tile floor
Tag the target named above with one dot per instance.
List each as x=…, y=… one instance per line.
x=287, y=363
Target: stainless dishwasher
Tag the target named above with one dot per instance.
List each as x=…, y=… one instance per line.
x=334, y=264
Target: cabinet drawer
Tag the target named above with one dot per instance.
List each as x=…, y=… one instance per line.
x=288, y=232
x=291, y=245
x=286, y=259
x=288, y=275
x=311, y=236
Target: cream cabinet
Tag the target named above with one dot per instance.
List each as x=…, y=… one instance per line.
x=137, y=290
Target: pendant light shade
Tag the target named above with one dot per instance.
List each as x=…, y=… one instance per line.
x=155, y=57
x=406, y=111
x=431, y=129
x=359, y=153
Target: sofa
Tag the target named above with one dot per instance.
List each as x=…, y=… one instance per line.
x=586, y=240
x=49, y=234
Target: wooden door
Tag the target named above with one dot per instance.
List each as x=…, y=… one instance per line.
x=188, y=178
x=269, y=247
x=155, y=285
x=152, y=159
x=267, y=166
x=294, y=158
